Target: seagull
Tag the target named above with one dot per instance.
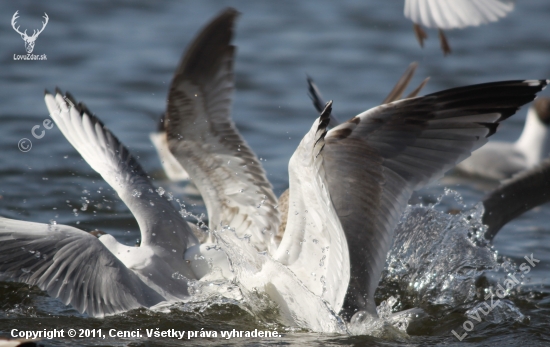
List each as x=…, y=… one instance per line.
x=101, y=276
x=501, y=160
x=348, y=185
x=373, y=162
x=348, y=188
x=453, y=14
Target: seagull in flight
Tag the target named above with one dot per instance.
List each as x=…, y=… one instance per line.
x=453, y=14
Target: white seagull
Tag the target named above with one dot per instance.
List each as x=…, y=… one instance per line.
x=453, y=14
x=101, y=276
x=348, y=188
x=501, y=160
x=348, y=185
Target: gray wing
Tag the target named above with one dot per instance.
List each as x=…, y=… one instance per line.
x=71, y=265
x=160, y=223
x=516, y=196
x=374, y=161
x=205, y=141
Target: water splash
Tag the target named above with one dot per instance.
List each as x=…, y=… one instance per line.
x=436, y=261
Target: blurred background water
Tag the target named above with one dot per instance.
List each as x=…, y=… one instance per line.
x=118, y=57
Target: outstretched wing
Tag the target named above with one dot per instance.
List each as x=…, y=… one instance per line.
x=160, y=223
x=71, y=265
x=372, y=163
x=456, y=14
x=203, y=138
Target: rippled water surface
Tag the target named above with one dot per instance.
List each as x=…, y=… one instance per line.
x=119, y=56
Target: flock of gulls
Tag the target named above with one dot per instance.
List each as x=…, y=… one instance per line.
x=349, y=184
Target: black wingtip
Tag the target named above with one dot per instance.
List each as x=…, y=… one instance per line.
x=325, y=116
x=505, y=97
x=315, y=95
x=46, y=92
x=324, y=120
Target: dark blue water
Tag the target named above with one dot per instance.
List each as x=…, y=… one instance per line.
x=118, y=57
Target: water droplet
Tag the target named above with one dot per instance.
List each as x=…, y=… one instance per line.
x=160, y=191
x=136, y=193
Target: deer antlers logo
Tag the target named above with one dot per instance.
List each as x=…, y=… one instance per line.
x=29, y=40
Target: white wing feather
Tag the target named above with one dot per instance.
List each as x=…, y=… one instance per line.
x=456, y=14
